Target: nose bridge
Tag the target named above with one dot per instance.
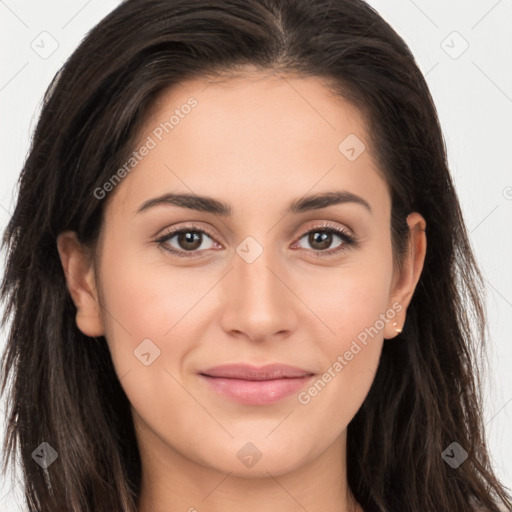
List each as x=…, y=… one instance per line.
x=258, y=301
x=259, y=286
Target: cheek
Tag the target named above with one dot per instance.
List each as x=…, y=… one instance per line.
x=148, y=308
x=352, y=357
x=145, y=298
x=355, y=308
x=148, y=319
x=359, y=309
x=353, y=299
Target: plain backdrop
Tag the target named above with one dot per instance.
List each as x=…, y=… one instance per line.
x=463, y=48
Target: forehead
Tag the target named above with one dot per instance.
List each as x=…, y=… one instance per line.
x=250, y=136
x=262, y=104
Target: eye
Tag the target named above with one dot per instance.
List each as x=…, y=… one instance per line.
x=322, y=237
x=188, y=241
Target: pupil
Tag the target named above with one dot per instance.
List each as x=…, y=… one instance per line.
x=324, y=239
x=190, y=240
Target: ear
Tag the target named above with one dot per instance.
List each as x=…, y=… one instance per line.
x=404, y=283
x=78, y=267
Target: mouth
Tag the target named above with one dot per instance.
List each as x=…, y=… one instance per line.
x=251, y=385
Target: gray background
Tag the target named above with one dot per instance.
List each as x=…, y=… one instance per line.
x=472, y=89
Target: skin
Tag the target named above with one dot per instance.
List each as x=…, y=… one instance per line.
x=256, y=142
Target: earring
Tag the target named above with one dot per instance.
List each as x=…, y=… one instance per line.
x=397, y=329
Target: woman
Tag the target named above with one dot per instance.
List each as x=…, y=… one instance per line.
x=238, y=273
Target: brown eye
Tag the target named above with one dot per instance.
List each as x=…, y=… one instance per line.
x=322, y=238
x=186, y=242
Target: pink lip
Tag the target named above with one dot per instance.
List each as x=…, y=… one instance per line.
x=256, y=385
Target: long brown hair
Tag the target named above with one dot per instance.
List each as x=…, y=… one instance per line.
x=64, y=391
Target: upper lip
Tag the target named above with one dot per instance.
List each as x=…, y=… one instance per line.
x=250, y=372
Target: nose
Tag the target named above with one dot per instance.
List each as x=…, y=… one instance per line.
x=259, y=302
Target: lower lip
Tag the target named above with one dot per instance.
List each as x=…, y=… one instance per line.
x=256, y=392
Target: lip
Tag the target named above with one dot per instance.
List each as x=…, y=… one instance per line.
x=252, y=385
x=249, y=372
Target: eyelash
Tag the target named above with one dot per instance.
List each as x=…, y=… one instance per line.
x=349, y=240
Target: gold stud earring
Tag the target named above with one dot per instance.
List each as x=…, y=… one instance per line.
x=397, y=329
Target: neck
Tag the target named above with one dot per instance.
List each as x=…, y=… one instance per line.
x=172, y=481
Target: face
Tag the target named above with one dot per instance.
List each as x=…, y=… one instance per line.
x=183, y=290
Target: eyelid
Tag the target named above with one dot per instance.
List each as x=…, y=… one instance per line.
x=187, y=226
x=328, y=224
x=171, y=232
x=350, y=240
x=348, y=237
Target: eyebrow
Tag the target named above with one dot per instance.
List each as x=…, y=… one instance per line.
x=216, y=207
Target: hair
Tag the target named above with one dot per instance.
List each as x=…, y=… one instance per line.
x=427, y=391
